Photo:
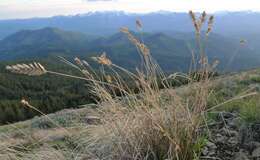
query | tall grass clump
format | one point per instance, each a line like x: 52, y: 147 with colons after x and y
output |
x: 154, y: 124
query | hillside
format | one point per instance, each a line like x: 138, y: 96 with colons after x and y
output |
x: 171, y: 51
x: 228, y: 123
x: 39, y: 43
x: 137, y: 85
x: 50, y: 93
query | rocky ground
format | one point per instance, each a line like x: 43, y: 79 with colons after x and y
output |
x: 229, y: 136
x: 231, y: 140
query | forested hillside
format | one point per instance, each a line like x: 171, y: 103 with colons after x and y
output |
x: 49, y: 93
x: 173, y: 51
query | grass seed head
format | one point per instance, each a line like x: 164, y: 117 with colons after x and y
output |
x: 124, y: 30
x: 78, y: 61
x: 193, y: 17
x: 210, y: 24
x: 108, y: 78
x: 85, y: 63
x: 25, y: 102
x: 139, y: 24
x: 103, y: 60
x: 203, y: 17
x: 196, y: 23
x: 144, y: 49
x: 33, y: 69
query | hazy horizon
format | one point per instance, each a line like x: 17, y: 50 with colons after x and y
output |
x: 125, y: 12
x: 22, y: 9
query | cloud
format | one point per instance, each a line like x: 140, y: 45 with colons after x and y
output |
x: 10, y: 9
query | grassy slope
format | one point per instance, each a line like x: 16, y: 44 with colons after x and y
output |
x: 39, y: 134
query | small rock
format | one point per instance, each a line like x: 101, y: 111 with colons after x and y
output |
x: 240, y: 156
x: 256, y: 144
x: 211, y: 153
x: 229, y: 132
x: 92, y: 120
x: 227, y: 152
x: 256, y: 131
x: 209, y: 149
x: 233, y: 141
x: 57, y: 138
x: 251, y: 146
x: 227, y: 115
x: 256, y: 153
x: 205, y: 151
x: 211, y: 145
x: 233, y: 123
x: 220, y: 138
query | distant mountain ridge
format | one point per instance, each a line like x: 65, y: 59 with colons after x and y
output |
x: 108, y: 23
x: 32, y: 43
x: 45, y: 35
x: 172, y: 51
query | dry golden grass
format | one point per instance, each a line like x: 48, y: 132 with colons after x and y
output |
x: 148, y: 125
x: 33, y: 69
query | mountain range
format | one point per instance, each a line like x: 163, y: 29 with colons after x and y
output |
x: 172, y: 50
x: 107, y: 23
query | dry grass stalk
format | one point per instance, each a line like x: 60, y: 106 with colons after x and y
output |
x: 144, y: 49
x: 194, y: 21
x: 108, y: 78
x: 85, y: 63
x: 210, y: 24
x: 203, y: 17
x: 124, y: 30
x: 103, y: 60
x: 150, y: 129
x: 78, y: 61
x: 139, y: 24
x: 141, y: 46
x: 150, y: 125
x: 198, y: 24
x: 33, y: 69
x: 27, y: 104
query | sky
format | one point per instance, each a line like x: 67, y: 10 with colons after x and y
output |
x: 15, y: 9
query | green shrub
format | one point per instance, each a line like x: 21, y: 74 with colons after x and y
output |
x: 250, y: 110
x: 256, y: 79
